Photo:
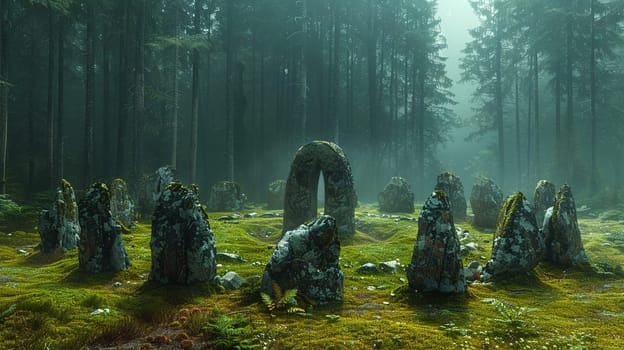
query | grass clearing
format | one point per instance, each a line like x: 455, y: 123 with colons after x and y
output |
x: 579, y: 309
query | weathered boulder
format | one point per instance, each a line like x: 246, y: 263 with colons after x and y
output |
x: 451, y: 185
x: 275, y: 194
x: 182, y: 243
x: 232, y: 280
x: 101, y: 247
x: 151, y: 187
x: 307, y: 259
x: 300, y: 200
x: 518, y: 245
x: 436, y: 264
x: 226, y: 196
x: 122, y: 206
x: 397, y: 196
x: 543, y: 198
x: 486, y: 200
x: 564, y: 246
x: 59, y: 227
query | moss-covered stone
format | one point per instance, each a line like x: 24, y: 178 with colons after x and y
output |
x: 226, y: 196
x: 562, y: 235
x: 451, y: 184
x: 182, y: 243
x: 300, y: 203
x: 543, y: 198
x: 101, y: 247
x: 59, y: 227
x: 122, y: 206
x: 518, y: 244
x: 306, y: 259
x: 275, y: 194
x: 436, y: 264
x: 397, y: 196
x: 150, y: 188
x: 486, y: 199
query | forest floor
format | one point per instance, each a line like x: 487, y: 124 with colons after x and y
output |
x: 550, y: 309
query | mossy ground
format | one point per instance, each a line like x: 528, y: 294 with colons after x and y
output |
x: 574, y: 308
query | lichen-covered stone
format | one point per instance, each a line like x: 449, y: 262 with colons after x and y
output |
x: 122, y: 206
x: 451, y: 184
x: 397, y: 196
x: 564, y: 246
x: 101, y: 247
x: 226, y: 196
x: 59, y: 227
x: 300, y: 200
x: 182, y: 243
x: 275, y: 194
x: 307, y: 259
x: 151, y: 187
x: 543, y: 198
x: 486, y: 199
x: 436, y: 264
x: 518, y: 244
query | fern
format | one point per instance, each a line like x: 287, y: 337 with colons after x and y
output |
x: 8, y: 312
x: 284, y: 300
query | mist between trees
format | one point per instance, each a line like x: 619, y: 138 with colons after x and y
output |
x: 221, y: 89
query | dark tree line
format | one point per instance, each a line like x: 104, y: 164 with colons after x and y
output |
x: 547, y: 74
x: 219, y: 89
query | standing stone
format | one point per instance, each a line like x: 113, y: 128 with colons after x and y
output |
x: 564, y: 246
x: 275, y: 194
x: 307, y: 259
x: 397, y: 196
x: 543, y: 198
x: 226, y: 196
x: 300, y: 200
x: 101, y: 247
x: 518, y: 244
x: 436, y: 264
x: 122, y: 206
x: 151, y: 188
x: 59, y: 226
x: 182, y: 244
x: 451, y: 185
x: 486, y: 199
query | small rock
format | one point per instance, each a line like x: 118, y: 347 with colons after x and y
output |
x: 231, y: 257
x: 389, y: 266
x: 232, y: 280
x: 100, y: 312
x: 606, y: 244
x: 270, y: 215
x: 117, y: 284
x: 370, y: 288
x: 251, y: 215
x: 367, y: 268
x: 22, y: 252
x: 256, y: 263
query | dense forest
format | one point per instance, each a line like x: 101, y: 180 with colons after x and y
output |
x: 92, y: 90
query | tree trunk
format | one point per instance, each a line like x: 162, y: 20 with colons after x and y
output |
x: 229, y: 59
x: 518, y: 150
x: 174, y: 114
x: 500, y: 127
x: 139, y: 92
x: 195, y: 94
x: 371, y: 48
x: 302, y: 105
x: 558, y: 137
x: 122, y: 112
x: 89, y: 95
x: 31, y: 104
x: 106, y: 108
x: 529, y: 121
x: 570, y: 171
x: 4, y: 115
x: 594, y: 117
x: 335, y: 95
x: 51, y: 124
x: 60, y: 105
x: 537, y: 116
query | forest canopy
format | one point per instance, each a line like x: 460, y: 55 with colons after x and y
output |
x: 93, y: 90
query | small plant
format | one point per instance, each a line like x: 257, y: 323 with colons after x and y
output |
x: 512, y: 316
x: 453, y: 330
x: 8, y: 312
x: 229, y: 332
x: 284, y: 300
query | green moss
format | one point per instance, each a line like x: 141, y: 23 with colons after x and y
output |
x: 510, y: 206
x: 574, y: 308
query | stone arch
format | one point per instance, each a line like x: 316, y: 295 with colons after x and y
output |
x: 300, y: 199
